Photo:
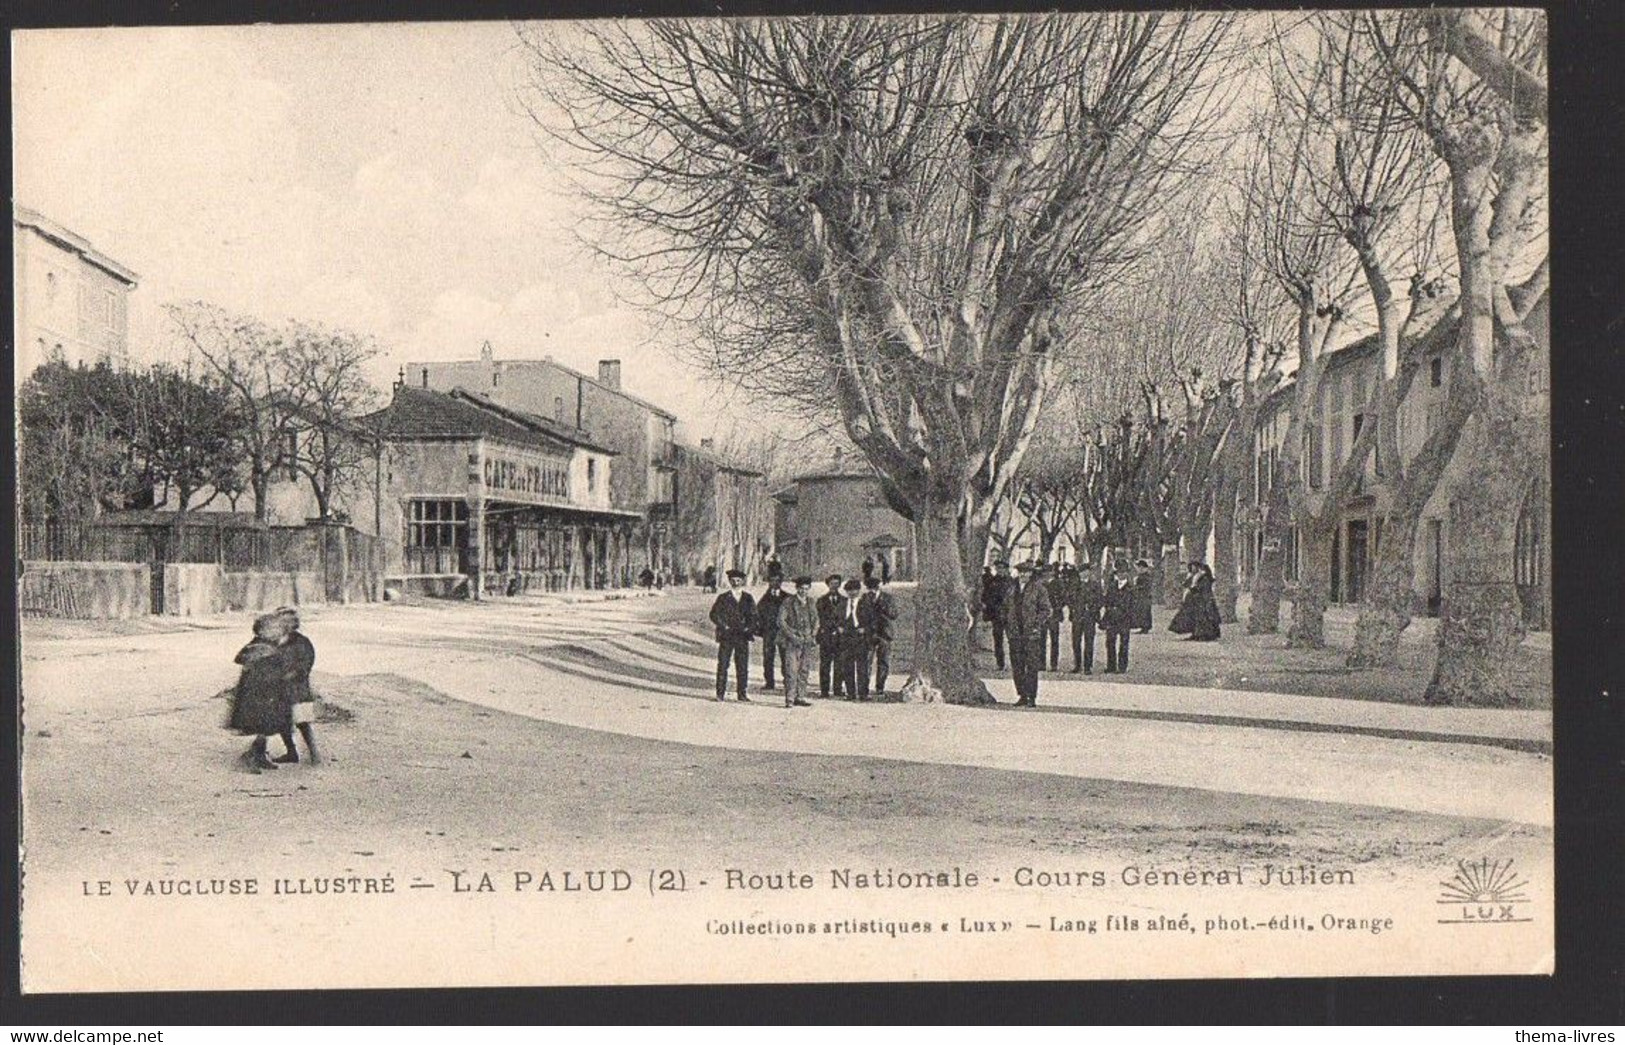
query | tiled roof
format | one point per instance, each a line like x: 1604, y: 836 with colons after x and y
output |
x: 459, y: 414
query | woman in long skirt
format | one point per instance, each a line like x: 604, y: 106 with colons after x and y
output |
x: 1204, y: 607
x: 260, y: 707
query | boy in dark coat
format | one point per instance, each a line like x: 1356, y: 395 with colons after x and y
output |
x: 996, y: 586
x: 854, y: 644
x: 301, y: 654
x: 734, y: 615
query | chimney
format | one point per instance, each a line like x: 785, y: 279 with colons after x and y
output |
x: 609, y: 373
x: 485, y: 352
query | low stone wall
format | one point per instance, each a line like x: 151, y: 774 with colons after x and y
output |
x: 195, y: 590
x: 267, y: 591
x: 86, y: 590
x: 428, y: 585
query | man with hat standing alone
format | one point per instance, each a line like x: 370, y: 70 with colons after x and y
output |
x: 798, y: 636
x: 734, y: 615
x: 1027, y: 611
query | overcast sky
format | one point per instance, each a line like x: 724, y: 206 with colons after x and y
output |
x: 375, y: 177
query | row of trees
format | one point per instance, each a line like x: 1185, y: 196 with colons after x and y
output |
x: 928, y: 229
x: 251, y: 402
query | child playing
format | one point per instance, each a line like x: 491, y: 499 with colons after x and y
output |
x: 260, y: 705
x: 301, y: 657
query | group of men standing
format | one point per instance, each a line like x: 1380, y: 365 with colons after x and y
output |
x: 850, y: 626
x: 1027, y: 612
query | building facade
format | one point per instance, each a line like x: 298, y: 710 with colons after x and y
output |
x: 71, y: 300
x: 724, y: 515
x: 642, y: 435
x: 503, y: 500
x: 1345, y: 405
x: 832, y: 520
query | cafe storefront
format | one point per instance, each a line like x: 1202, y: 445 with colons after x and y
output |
x: 494, y: 502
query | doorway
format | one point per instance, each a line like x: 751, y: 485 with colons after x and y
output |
x: 1359, y: 558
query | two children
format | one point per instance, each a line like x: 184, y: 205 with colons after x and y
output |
x: 273, y: 692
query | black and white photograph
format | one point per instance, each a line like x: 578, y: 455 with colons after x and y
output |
x: 807, y: 499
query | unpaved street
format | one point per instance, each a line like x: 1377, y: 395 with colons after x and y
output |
x: 499, y: 737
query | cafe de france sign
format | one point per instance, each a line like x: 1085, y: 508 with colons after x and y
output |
x: 526, y: 477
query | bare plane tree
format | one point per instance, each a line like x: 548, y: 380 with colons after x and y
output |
x: 890, y: 216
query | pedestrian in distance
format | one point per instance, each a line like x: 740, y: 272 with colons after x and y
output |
x: 798, y: 638
x: 1181, y: 624
x: 259, y: 704
x: 734, y: 615
x: 995, y: 587
x: 1144, y: 586
x: 708, y: 579
x: 767, y: 626
x: 1117, y: 619
x: 646, y: 578
x: 1027, y: 612
x: 301, y: 658
x: 880, y: 612
x: 830, y: 611
x: 1058, y: 582
x: 1083, y: 610
x: 854, y: 645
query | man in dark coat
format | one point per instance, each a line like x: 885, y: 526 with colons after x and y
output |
x: 1144, y: 589
x: 996, y: 584
x: 1117, y: 620
x: 829, y: 635
x: 853, y: 637
x: 767, y: 626
x: 878, y: 610
x: 1059, y: 582
x: 734, y: 614
x: 1027, y: 613
x: 1084, y: 596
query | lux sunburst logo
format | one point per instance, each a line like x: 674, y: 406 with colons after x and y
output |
x: 1486, y: 892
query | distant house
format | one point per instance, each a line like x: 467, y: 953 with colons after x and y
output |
x: 71, y: 300
x: 724, y: 515
x: 1345, y: 406
x: 831, y: 519
x: 641, y: 434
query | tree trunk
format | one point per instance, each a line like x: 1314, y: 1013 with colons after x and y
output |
x: 1386, y: 611
x: 1308, y: 628
x: 1264, y: 615
x: 1481, y: 624
x: 1225, y: 568
x: 943, y: 614
x: 1170, y: 578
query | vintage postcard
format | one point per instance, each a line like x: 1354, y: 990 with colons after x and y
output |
x: 784, y: 500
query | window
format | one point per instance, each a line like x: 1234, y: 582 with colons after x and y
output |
x: 495, y: 374
x: 592, y: 474
x: 437, y: 524
x: 425, y: 377
x: 1314, y: 452
x: 558, y: 409
x: 110, y: 307
x: 50, y: 288
x: 1436, y: 372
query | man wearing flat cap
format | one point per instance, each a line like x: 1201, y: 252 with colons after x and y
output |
x: 798, y: 638
x: 1027, y: 613
x: 734, y: 615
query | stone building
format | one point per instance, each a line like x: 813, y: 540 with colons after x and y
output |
x: 832, y: 519
x: 71, y: 300
x: 641, y: 434
x: 1347, y: 388
x: 724, y: 515
x: 473, y: 492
